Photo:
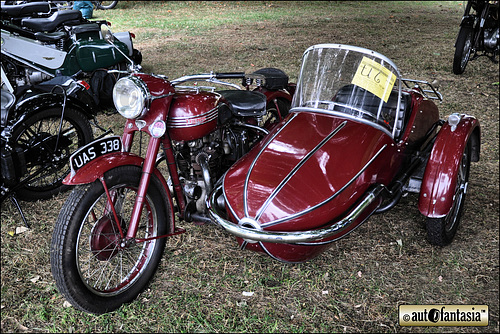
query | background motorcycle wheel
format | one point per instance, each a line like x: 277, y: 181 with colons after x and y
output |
x: 38, y: 136
x: 272, y: 117
x: 463, y: 49
x: 106, y: 4
x: 440, y: 231
x: 85, y: 241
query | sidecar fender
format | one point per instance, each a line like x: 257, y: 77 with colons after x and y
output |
x: 440, y: 177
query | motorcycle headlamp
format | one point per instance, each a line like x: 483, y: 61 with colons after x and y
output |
x: 107, y: 35
x: 131, y: 97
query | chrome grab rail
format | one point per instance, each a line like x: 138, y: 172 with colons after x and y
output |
x: 254, y: 235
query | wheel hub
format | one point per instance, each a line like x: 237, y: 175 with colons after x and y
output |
x: 105, y: 239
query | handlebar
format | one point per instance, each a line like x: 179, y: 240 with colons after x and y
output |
x: 211, y: 77
x: 230, y: 75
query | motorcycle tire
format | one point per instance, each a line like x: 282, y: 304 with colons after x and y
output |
x: 463, y: 49
x: 441, y: 231
x: 104, y: 5
x: 37, y: 136
x: 86, y: 240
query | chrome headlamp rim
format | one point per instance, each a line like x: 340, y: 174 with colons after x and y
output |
x: 144, y: 92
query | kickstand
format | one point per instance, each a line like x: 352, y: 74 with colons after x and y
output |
x: 13, y: 199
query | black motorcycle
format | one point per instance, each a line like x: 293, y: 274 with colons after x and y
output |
x: 478, y: 34
x: 39, y: 130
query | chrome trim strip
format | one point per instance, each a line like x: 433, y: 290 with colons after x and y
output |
x: 245, y: 188
x: 294, y: 236
x: 295, y: 169
x: 298, y: 214
x: 189, y: 121
x: 342, y: 115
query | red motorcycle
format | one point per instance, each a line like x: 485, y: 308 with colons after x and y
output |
x: 110, y: 234
x: 355, y: 141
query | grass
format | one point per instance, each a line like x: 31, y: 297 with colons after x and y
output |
x: 355, y: 286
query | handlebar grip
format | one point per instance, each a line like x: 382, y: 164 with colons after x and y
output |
x: 230, y: 75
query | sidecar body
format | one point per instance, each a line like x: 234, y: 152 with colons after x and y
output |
x: 357, y: 138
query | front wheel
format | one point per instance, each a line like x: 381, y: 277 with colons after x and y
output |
x: 440, y: 231
x: 463, y: 49
x: 94, y: 268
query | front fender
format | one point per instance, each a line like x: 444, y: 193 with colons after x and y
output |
x: 440, y: 177
x: 96, y: 168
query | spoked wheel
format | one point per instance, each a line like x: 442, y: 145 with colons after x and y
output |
x: 96, y: 269
x: 273, y: 115
x: 463, y: 49
x: 106, y: 4
x: 47, y: 150
x: 440, y: 231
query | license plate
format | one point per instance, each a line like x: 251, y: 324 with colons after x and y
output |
x: 94, y: 150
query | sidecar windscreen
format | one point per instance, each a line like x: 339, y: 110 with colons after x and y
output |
x: 351, y: 82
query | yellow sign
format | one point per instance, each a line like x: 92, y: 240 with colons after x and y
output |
x: 443, y: 315
x: 375, y: 78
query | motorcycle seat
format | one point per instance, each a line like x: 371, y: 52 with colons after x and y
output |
x: 274, y: 78
x: 26, y: 9
x: 49, y: 37
x: 245, y: 102
x: 49, y: 24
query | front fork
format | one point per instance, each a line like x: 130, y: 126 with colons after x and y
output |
x: 147, y: 170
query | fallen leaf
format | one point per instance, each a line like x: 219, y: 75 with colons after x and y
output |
x: 35, y: 279
x: 21, y: 229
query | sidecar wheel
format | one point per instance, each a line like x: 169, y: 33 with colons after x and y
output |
x: 463, y: 49
x: 441, y: 231
x: 94, y: 269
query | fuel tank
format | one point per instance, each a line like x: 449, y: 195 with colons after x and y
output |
x: 192, y: 115
x: 307, y: 174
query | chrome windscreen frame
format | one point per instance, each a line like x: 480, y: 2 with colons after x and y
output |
x: 392, y: 133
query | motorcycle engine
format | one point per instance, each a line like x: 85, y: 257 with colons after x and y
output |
x: 22, y: 76
x: 491, y: 38
x: 203, y: 161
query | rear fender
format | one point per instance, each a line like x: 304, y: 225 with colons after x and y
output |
x: 440, y: 177
x: 32, y: 105
x: 276, y: 94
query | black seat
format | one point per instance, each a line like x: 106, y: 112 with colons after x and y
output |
x: 245, y: 102
x: 49, y: 24
x: 360, y: 98
x: 274, y: 78
x: 50, y: 37
x: 26, y: 9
